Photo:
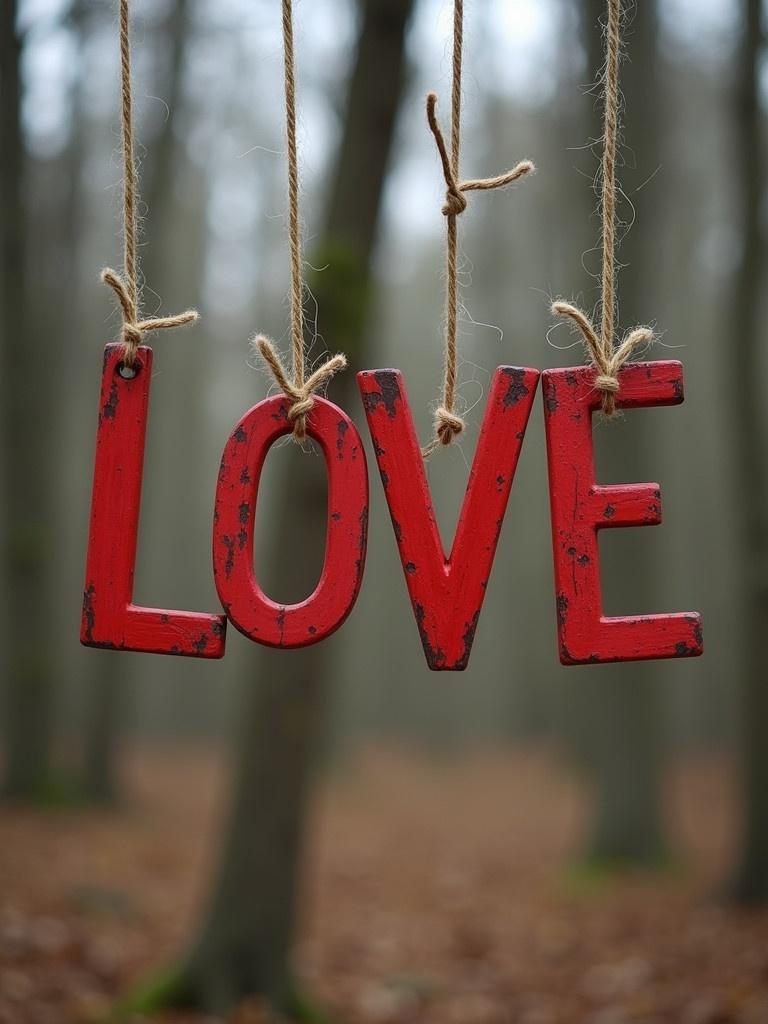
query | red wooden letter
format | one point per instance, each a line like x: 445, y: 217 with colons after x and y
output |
x: 248, y: 607
x: 581, y: 507
x: 447, y: 592
x: 110, y: 619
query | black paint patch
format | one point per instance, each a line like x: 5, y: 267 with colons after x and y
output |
x: 89, y: 613
x: 698, y: 632
x: 516, y: 389
x: 551, y: 403
x: 387, y: 396
x: 682, y: 650
x: 341, y: 430
x: 435, y: 656
x: 110, y: 406
x: 468, y: 638
x: 229, y: 565
x: 362, y: 543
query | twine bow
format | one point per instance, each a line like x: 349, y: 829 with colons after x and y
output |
x: 135, y: 327
x: 607, y: 359
x: 302, y: 395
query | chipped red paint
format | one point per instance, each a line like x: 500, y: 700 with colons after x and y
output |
x: 110, y: 619
x: 580, y: 507
x: 447, y: 591
x: 247, y: 606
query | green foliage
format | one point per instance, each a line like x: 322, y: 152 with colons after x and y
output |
x: 50, y: 791
x: 342, y: 288
x: 162, y: 992
x: 593, y: 876
x: 174, y: 990
x: 300, y: 1007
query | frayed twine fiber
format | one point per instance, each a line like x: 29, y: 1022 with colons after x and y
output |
x: 126, y: 286
x: 448, y: 424
x: 301, y: 389
x: 608, y: 357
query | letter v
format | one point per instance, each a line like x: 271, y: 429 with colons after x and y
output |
x: 447, y: 592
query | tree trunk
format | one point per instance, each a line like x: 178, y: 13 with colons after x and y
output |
x: 619, y: 706
x: 747, y: 392
x: 245, y: 941
x: 100, y: 780
x: 111, y: 674
x: 27, y: 672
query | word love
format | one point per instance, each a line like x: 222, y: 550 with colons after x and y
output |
x: 446, y: 590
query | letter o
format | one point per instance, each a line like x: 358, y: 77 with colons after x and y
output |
x: 246, y: 604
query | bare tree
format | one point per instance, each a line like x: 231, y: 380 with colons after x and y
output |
x: 246, y: 937
x: 618, y: 715
x: 747, y: 393
x: 26, y: 458
x: 111, y: 675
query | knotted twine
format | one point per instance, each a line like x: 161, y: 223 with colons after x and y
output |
x: 302, y: 388
x: 608, y: 357
x: 447, y: 423
x: 126, y: 287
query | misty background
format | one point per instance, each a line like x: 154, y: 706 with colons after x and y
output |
x: 209, y: 119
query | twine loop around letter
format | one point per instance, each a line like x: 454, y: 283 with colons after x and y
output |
x: 448, y: 424
x: 126, y: 288
x: 134, y: 327
x: 299, y: 390
x: 300, y: 394
x: 608, y: 357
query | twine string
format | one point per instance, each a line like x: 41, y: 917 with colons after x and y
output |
x: 448, y: 424
x: 126, y: 286
x: 301, y: 388
x: 607, y: 356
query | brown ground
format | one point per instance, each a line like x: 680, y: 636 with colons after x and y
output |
x: 438, y: 894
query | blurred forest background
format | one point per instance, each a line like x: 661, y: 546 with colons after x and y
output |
x: 338, y: 827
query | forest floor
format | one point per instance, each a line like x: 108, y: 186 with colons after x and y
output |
x: 437, y: 892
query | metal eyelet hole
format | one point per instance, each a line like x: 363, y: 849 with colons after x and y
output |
x: 128, y: 372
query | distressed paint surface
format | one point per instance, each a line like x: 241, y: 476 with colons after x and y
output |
x: 447, y: 591
x: 247, y: 606
x: 580, y: 507
x: 110, y: 619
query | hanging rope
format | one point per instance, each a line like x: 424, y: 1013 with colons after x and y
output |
x: 447, y: 423
x: 126, y: 287
x: 608, y: 357
x: 301, y: 389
